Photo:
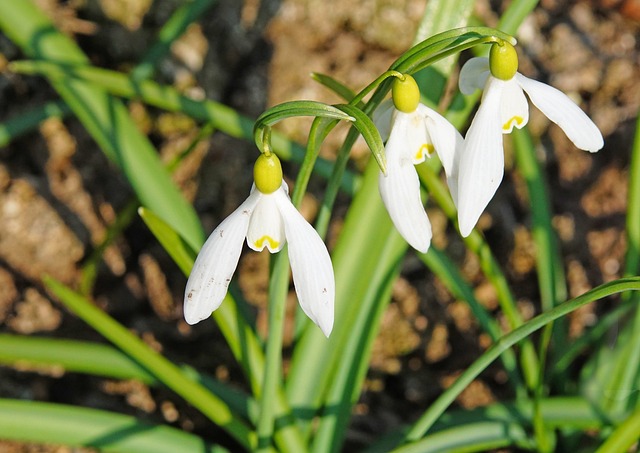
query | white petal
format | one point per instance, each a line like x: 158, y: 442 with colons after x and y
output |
x: 560, y: 109
x: 383, y: 118
x: 216, y: 263
x: 514, y: 109
x: 447, y: 142
x: 400, y: 191
x: 266, y: 228
x: 310, y: 265
x: 474, y: 75
x: 482, y: 159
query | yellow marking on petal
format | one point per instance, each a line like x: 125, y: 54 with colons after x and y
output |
x: 260, y: 243
x: 426, y: 149
x: 518, y: 120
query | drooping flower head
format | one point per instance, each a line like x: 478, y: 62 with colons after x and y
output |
x: 267, y: 218
x: 414, y: 133
x: 503, y: 107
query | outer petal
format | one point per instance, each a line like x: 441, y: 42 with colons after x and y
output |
x: 514, y: 109
x: 383, y: 118
x: 474, y: 75
x: 447, y: 142
x: 310, y: 265
x: 482, y: 159
x: 560, y: 109
x: 216, y: 263
x: 266, y: 228
x: 400, y: 190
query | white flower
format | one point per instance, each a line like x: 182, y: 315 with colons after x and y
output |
x: 266, y: 220
x: 504, y: 106
x: 414, y: 132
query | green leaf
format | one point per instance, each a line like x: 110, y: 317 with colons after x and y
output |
x: 171, y: 241
x: 340, y: 89
x: 31, y: 421
x: 439, y: 406
x: 35, y: 353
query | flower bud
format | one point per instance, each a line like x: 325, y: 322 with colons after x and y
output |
x: 267, y: 173
x: 503, y: 61
x: 406, y: 94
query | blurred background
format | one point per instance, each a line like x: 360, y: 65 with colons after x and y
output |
x: 60, y: 197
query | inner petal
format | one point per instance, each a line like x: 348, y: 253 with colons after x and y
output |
x: 265, y: 227
x: 516, y: 121
x: 514, y: 108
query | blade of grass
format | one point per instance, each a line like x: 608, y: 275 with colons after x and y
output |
x: 558, y: 412
x: 82, y: 427
x: 439, y: 406
x: 28, y: 353
x: 104, y: 117
x: 193, y: 392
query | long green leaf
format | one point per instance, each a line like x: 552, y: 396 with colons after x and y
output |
x: 439, y: 406
x: 35, y: 353
x: 48, y: 423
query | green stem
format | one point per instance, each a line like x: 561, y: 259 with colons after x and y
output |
x: 47, y: 423
x: 272, y: 379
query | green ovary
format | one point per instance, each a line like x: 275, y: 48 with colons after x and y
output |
x: 267, y: 173
x: 503, y: 61
x: 405, y: 94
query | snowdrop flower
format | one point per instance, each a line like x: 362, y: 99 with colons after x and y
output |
x: 414, y: 132
x: 503, y: 107
x: 267, y: 218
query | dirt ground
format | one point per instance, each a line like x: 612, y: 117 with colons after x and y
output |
x: 59, y: 194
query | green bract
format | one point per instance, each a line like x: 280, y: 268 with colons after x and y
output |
x: 503, y: 61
